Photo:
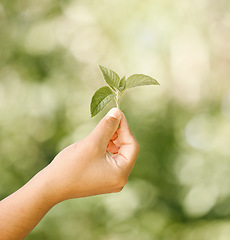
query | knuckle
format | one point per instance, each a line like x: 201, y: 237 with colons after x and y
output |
x: 121, y: 181
x: 118, y: 189
x: 137, y: 146
x: 124, y: 182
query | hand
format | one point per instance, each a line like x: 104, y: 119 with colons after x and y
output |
x: 87, y: 167
x: 82, y: 169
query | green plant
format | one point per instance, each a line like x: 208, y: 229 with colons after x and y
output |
x: 117, y: 87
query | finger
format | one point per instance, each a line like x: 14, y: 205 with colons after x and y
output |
x: 129, y: 146
x: 106, y: 127
x: 112, y: 148
x: 115, y: 135
x: 127, y: 155
x: 125, y: 135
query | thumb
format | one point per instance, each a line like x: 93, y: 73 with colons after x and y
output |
x: 107, y: 127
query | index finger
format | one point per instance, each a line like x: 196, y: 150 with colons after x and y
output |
x: 129, y: 146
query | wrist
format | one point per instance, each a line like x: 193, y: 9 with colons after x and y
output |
x: 43, y: 183
x: 55, y: 186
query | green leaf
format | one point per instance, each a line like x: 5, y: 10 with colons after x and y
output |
x: 110, y: 77
x: 100, y: 99
x: 140, y: 80
x: 122, y: 84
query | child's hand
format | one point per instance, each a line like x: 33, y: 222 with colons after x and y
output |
x: 86, y: 168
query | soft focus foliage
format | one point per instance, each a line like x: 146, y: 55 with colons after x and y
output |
x: 49, y: 56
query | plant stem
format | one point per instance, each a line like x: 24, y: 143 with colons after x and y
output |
x: 117, y: 98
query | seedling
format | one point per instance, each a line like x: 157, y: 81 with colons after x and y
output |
x: 117, y: 87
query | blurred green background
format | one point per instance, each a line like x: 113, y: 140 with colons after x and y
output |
x: 49, y: 56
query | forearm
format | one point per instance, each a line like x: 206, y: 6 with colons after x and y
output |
x: 21, y: 211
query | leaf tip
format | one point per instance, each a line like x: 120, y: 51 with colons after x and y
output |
x: 101, y: 67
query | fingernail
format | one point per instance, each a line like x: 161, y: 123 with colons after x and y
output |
x: 115, y: 113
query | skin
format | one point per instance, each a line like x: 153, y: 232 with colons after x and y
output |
x: 82, y: 169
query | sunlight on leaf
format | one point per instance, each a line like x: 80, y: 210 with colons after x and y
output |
x: 100, y: 99
x: 140, y: 80
x: 110, y: 77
